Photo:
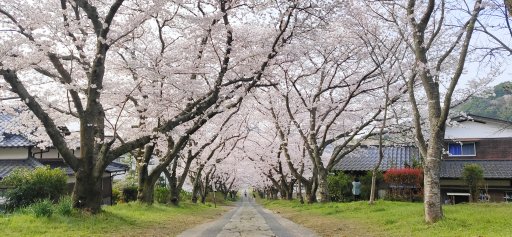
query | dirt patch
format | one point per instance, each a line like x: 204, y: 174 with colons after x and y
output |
x: 328, y: 226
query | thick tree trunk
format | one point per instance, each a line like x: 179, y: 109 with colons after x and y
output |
x: 87, y: 192
x: 310, y: 194
x: 323, y: 187
x: 289, y: 194
x: 146, y: 193
x: 195, y: 192
x: 432, y: 187
x: 174, y: 190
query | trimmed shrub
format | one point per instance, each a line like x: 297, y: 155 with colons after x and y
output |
x: 129, y: 194
x: 405, y: 183
x: 42, y: 208
x: 162, y: 194
x: 473, y: 175
x: 29, y: 186
x: 65, y: 206
x: 340, y: 187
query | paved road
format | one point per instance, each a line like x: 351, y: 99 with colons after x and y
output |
x: 249, y: 219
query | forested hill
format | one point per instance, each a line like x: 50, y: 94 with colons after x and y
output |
x: 497, y: 106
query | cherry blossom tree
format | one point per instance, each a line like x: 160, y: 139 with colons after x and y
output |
x: 79, y: 52
x: 438, y: 42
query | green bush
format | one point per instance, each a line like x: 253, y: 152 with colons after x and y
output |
x: 129, y: 194
x: 339, y: 186
x: 162, y: 194
x: 42, y: 208
x: 65, y: 206
x: 29, y: 186
x: 473, y: 175
x: 366, y: 184
x: 116, y: 195
x: 184, y: 195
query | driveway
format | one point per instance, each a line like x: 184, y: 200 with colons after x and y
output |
x: 249, y: 219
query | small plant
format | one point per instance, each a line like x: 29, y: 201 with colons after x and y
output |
x: 65, y: 206
x: 129, y: 194
x: 473, y: 175
x: 184, y: 195
x: 42, y: 208
x: 116, y: 195
x: 162, y: 194
x: 339, y: 186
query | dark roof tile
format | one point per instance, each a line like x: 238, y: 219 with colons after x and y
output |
x: 365, y: 158
x: 497, y: 169
x: 7, y: 166
x: 8, y: 139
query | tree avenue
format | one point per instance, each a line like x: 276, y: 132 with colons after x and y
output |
x: 227, y: 94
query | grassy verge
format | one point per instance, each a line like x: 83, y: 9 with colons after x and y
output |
x: 397, y: 218
x: 130, y: 219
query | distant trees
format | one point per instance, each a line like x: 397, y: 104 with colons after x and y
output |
x: 497, y: 105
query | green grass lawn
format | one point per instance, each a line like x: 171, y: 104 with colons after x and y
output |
x: 387, y: 218
x: 130, y: 219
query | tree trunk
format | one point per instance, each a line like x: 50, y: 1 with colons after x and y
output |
x: 173, y: 187
x: 299, y: 193
x: 373, y: 188
x: 432, y: 187
x: 289, y: 194
x: 87, y: 192
x: 323, y: 187
x: 195, y: 191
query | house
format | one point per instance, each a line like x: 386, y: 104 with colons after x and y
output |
x: 469, y: 139
x: 478, y: 140
x: 16, y: 151
x: 365, y: 158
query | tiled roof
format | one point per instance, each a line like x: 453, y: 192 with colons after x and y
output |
x: 111, y: 168
x: 492, y: 168
x: 11, y: 140
x: 365, y: 158
x: 7, y: 166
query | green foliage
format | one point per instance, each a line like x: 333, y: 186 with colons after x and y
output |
x: 65, y: 206
x: 116, y: 195
x: 497, y: 106
x: 42, y: 208
x: 339, y: 186
x: 473, y: 175
x: 404, y: 183
x: 366, y: 183
x: 184, y: 195
x: 29, y: 186
x: 162, y: 194
x: 129, y: 194
x: 125, y: 190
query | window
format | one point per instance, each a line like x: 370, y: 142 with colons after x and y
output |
x: 462, y: 149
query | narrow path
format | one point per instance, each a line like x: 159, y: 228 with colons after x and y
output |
x: 249, y: 219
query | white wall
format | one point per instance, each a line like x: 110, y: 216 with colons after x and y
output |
x: 13, y: 153
x: 51, y: 154
x: 471, y: 129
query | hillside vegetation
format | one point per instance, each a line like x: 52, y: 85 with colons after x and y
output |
x: 497, y: 106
